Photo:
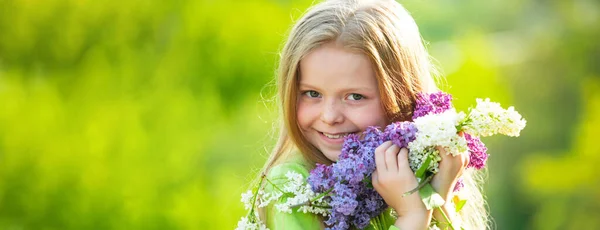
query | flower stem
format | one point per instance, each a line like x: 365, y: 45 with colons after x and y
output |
x: 323, y: 194
x: 423, y: 183
x: 309, y: 202
x: 446, y: 217
x: 251, y: 212
x: 377, y: 222
x: 275, y: 186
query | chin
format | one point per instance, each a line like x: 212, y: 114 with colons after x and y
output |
x: 332, y: 156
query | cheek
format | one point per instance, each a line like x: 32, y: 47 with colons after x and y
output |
x: 304, y: 115
x: 371, y: 116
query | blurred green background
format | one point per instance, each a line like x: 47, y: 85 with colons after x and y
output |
x: 154, y: 115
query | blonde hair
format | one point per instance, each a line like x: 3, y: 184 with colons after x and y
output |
x: 386, y: 33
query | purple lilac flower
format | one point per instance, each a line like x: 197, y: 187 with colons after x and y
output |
x: 432, y: 103
x: 459, y: 185
x: 372, y: 137
x: 477, y: 152
x: 370, y: 204
x: 401, y: 133
x: 349, y: 169
x: 361, y: 218
x: 320, y: 178
x: 337, y: 221
x: 344, y: 200
x: 352, y: 200
x: 351, y: 144
x: 367, y: 157
x: 373, y: 202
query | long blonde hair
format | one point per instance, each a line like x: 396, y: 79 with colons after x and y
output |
x: 386, y: 33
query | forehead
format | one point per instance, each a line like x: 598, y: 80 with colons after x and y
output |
x: 332, y: 65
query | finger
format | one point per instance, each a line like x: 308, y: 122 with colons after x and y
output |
x: 461, y: 159
x: 443, y: 152
x: 380, y: 155
x: 391, y: 160
x: 375, y: 180
x: 466, y: 159
x: 403, y: 159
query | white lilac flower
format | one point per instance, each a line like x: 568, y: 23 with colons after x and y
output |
x: 299, y: 192
x: 284, y: 207
x: 267, y: 198
x: 247, y: 199
x: 416, y: 159
x: 439, y: 130
x: 294, y: 181
x: 246, y: 224
x: 316, y: 210
x: 302, y: 194
x: 489, y: 118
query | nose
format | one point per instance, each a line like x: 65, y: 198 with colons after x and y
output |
x: 332, y: 112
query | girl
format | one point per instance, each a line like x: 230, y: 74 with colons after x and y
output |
x: 348, y: 65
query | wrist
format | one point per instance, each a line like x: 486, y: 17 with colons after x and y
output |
x: 411, y: 205
x: 414, y: 220
x: 444, y: 189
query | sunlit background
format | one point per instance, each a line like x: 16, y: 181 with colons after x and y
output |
x: 141, y: 114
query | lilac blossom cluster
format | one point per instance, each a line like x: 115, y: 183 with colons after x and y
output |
x: 432, y: 103
x: 477, y: 152
x: 438, y: 103
x: 351, y: 196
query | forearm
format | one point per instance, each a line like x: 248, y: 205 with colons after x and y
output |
x: 415, y: 221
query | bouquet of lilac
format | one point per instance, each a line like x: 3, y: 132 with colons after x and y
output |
x: 342, y: 191
x: 352, y: 198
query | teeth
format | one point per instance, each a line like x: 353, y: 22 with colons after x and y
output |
x: 336, y: 136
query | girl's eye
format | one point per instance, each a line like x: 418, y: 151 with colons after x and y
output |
x: 312, y: 94
x: 355, y: 97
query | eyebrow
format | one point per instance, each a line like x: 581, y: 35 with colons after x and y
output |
x: 304, y: 85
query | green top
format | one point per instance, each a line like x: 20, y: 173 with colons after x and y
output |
x: 298, y: 220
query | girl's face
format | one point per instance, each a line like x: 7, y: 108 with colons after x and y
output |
x: 338, y: 96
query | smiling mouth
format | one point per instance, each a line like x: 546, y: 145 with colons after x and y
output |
x: 335, y: 136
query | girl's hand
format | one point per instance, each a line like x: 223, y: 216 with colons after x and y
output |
x: 450, y: 169
x: 391, y: 179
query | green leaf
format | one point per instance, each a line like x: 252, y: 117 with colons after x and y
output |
x: 368, y: 182
x: 460, y: 204
x: 430, y: 197
x: 421, y: 171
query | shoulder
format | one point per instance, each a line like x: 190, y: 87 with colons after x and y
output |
x: 280, y: 170
x: 294, y: 165
x: 280, y: 175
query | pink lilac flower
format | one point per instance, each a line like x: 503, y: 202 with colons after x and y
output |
x: 433, y: 103
x: 459, y: 185
x: 477, y: 152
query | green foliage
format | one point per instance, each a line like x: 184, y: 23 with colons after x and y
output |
x: 155, y: 115
x: 430, y: 198
x: 566, y: 186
